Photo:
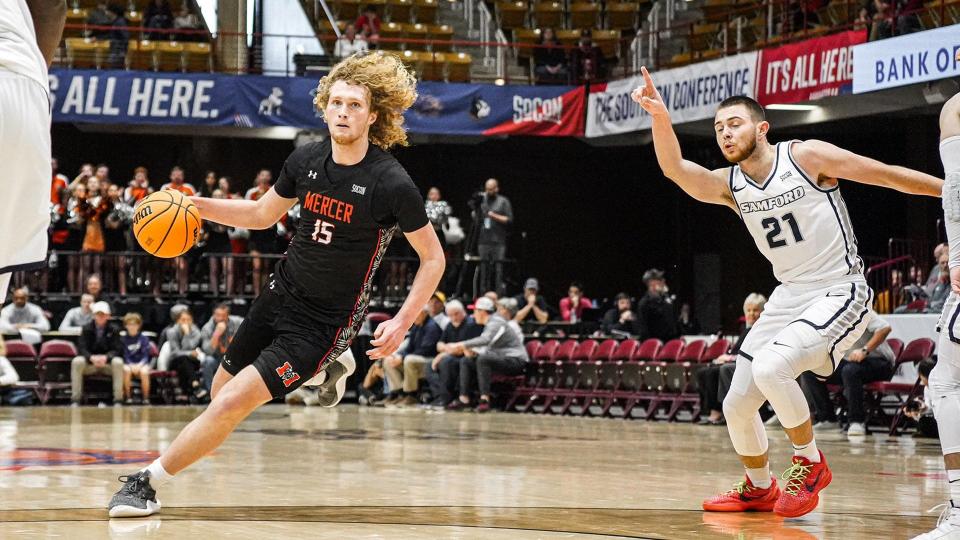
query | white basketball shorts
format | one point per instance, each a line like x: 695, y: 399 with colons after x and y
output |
x: 25, y: 157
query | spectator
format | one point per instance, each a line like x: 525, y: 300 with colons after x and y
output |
x: 496, y: 215
x: 882, y: 27
x: 102, y: 174
x: 136, y: 358
x: 445, y: 369
x: 78, y: 317
x: 436, y: 307
x: 101, y: 353
x: 94, y: 287
x: 573, y: 305
x: 185, y: 339
x: 687, y: 324
x: 158, y: 16
x: 349, y: 43
x: 658, y: 318
x: 531, y: 302
x: 438, y: 212
x: 941, y: 291
x: 99, y: 16
x: 893, y: 297
x: 920, y: 409
x: 22, y: 314
x: 368, y: 23
x: 262, y: 241
x: 403, y: 370
x: 499, y: 349
x: 869, y: 359
x: 138, y: 188
x: 621, y: 318
x: 210, y: 183
x: 119, y: 38
x: 908, y: 16
x: 549, y: 59
x: 586, y: 60
x: 59, y: 229
x: 8, y: 375
x: 934, y: 277
x: 177, y: 183
x: 217, y: 241
x: 708, y: 378
x: 215, y: 337
x: 76, y: 230
x: 187, y: 20
x: 116, y: 238
x: 94, y: 207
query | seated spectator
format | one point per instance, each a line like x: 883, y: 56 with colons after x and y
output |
x: 531, y: 303
x: 436, y: 307
x: 215, y: 337
x: 920, y: 409
x: 941, y: 291
x: 187, y: 20
x: 158, y: 15
x: 869, y: 359
x: 8, y: 375
x: 101, y: 16
x: 444, y: 371
x: 94, y: 287
x: 499, y: 349
x: 163, y: 360
x: 22, y: 314
x: 101, y: 353
x: 136, y: 358
x: 368, y: 23
x: 403, y: 370
x: 620, y: 318
x: 349, y: 43
x: 571, y: 307
x: 586, y: 60
x: 184, y: 339
x: 656, y: 310
x: 892, y: 297
x: 78, y: 317
x: 549, y: 59
x: 934, y: 276
x: 708, y: 378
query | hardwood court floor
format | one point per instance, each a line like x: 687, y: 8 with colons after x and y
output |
x: 372, y: 473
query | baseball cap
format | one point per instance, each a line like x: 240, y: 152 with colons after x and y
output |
x: 652, y: 273
x: 100, y: 307
x: 484, y: 304
x: 532, y: 283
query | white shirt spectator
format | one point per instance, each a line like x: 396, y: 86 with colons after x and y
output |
x: 30, y: 315
x: 75, y: 320
x: 8, y: 375
x: 345, y: 47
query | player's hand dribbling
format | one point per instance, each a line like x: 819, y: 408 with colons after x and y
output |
x: 647, y: 95
x: 387, y: 339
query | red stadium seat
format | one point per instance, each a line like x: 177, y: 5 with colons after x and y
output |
x: 654, y: 375
x: 23, y: 358
x: 680, y: 382
x: 566, y: 350
x: 648, y: 350
x: 716, y: 349
x: 532, y: 347
x: 579, y: 377
x: 547, y: 351
x: 897, y: 393
x: 897, y: 346
x: 55, y: 358
x: 625, y: 351
x: 605, y: 350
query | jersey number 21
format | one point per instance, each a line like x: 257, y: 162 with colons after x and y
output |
x: 774, y: 230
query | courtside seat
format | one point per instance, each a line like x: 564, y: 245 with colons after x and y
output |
x: 716, y: 349
x: 884, y: 399
x: 605, y: 350
x: 23, y: 358
x: 56, y: 357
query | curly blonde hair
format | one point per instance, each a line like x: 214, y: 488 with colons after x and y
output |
x: 391, y: 89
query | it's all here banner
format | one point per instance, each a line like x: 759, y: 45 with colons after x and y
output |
x: 807, y: 70
x: 250, y: 101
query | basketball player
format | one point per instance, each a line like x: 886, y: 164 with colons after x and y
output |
x: 944, y: 381
x: 787, y: 196
x: 354, y: 196
x: 29, y: 33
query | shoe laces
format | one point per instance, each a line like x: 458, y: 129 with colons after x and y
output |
x: 794, y: 476
x: 132, y: 483
x: 741, y: 487
x: 946, y: 510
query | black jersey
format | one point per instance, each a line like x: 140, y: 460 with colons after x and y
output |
x: 348, y: 216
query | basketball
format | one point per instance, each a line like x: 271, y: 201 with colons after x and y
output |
x: 166, y: 224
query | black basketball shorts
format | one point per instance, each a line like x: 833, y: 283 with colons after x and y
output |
x: 285, y: 345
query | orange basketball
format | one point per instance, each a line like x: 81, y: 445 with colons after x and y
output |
x: 166, y: 224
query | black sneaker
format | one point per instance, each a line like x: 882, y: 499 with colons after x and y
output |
x: 136, y: 498
x: 335, y: 384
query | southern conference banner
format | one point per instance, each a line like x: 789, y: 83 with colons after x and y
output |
x: 690, y: 92
x: 807, y: 70
x: 909, y: 59
x: 136, y: 97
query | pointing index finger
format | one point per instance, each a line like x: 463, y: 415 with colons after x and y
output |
x: 647, y: 79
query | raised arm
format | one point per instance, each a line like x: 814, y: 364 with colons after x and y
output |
x: 389, y: 335
x: 697, y: 181
x: 826, y: 162
x: 246, y: 214
x: 48, y: 19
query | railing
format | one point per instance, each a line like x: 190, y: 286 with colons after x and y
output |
x: 893, y: 281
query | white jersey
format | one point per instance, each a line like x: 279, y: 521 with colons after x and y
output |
x: 19, y: 52
x: 801, y: 228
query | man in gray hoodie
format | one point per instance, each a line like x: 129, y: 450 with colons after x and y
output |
x: 215, y: 337
x: 499, y: 349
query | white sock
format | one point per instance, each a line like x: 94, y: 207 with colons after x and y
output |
x: 158, y: 475
x: 760, y: 477
x: 808, y: 451
x: 953, y: 476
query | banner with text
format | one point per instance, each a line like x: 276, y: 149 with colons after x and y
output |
x: 908, y: 59
x: 690, y: 93
x: 810, y: 69
x: 133, y: 97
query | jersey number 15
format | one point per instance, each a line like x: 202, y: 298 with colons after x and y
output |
x: 774, y: 231
x: 323, y: 231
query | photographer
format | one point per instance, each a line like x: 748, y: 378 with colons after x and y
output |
x: 493, y: 214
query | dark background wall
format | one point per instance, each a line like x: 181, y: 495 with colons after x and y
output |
x: 597, y: 215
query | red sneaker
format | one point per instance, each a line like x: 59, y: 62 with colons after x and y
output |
x: 804, y: 482
x: 744, y: 497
